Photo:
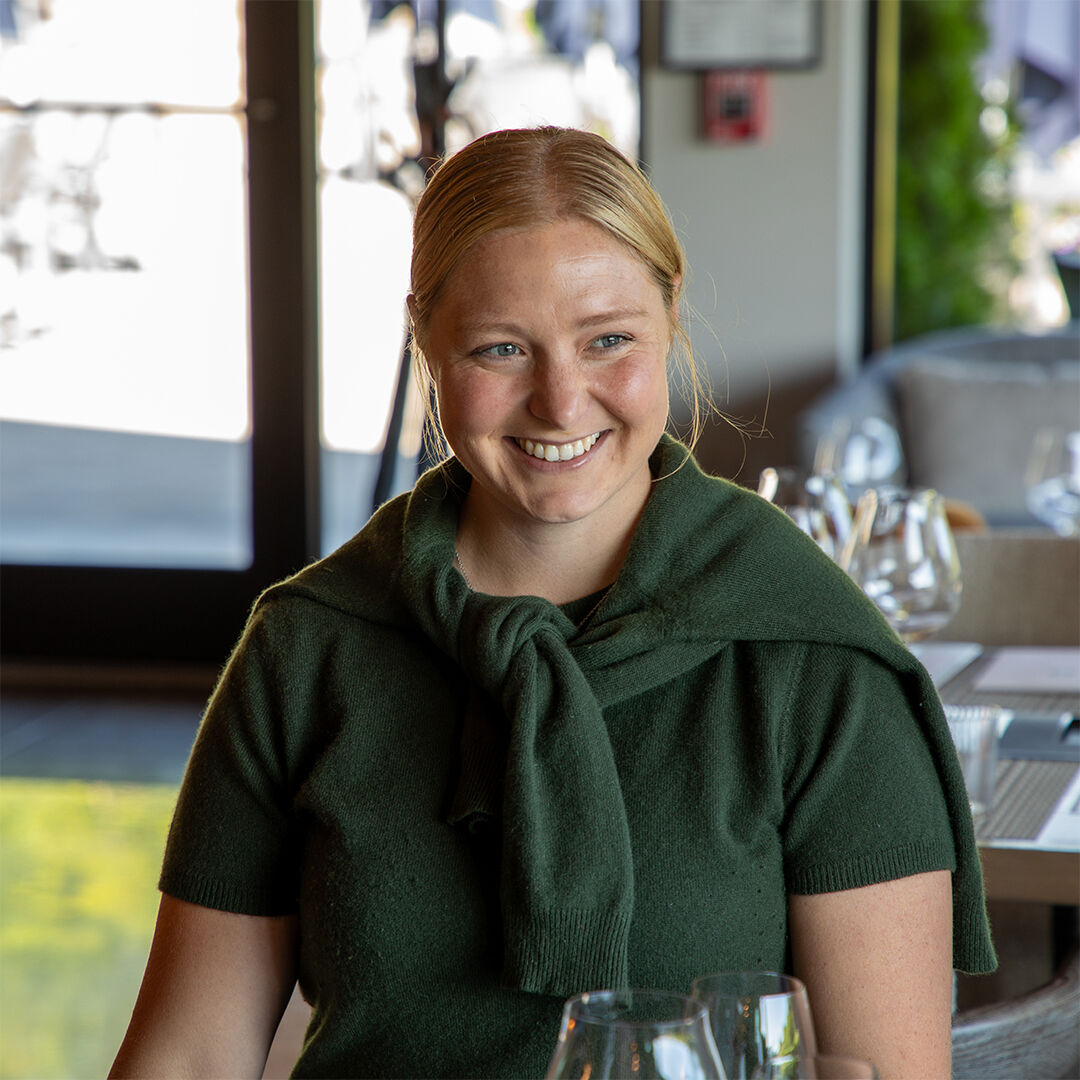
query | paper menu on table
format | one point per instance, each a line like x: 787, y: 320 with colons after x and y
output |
x: 1031, y: 670
x: 945, y: 660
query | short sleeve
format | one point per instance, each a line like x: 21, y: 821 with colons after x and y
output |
x: 873, y: 790
x: 863, y: 794
x: 233, y: 844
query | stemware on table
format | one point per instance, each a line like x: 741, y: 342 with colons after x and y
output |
x: 816, y: 502
x: 1052, y: 480
x: 644, y: 1034
x: 864, y: 453
x: 755, y: 1016
x: 902, y: 553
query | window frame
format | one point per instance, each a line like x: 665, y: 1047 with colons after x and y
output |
x: 79, y: 614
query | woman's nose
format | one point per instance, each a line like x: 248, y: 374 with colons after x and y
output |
x: 559, y: 392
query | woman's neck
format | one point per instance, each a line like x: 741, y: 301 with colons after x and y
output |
x: 560, y: 562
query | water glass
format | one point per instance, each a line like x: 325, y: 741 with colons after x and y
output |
x: 644, y: 1034
x: 755, y: 1015
x: 974, y: 729
x: 816, y: 502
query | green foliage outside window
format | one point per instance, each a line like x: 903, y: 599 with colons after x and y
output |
x: 78, y: 897
x: 953, y: 216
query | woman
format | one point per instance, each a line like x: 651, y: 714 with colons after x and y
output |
x: 569, y: 714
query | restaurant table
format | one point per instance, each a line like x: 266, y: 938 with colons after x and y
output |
x: 1019, y: 863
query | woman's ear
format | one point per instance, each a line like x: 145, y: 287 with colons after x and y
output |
x: 676, y: 285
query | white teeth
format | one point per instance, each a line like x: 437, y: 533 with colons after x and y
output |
x: 559, y: 451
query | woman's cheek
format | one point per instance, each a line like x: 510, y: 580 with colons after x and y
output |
x: 640, y: 386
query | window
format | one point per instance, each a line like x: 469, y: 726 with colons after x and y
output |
x: 207, y: 244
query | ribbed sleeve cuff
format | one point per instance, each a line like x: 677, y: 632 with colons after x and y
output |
x: 872, y: 868
x: 567, y: 952
x: 223, y: 896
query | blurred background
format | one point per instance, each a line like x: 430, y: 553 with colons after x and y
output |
x: 205, y: 214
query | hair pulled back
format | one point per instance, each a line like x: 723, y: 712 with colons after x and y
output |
x: 529, y: 177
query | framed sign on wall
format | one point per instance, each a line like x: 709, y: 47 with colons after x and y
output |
x: 705, y: 35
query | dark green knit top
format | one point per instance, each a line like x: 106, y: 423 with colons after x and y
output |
x: 479, y: 807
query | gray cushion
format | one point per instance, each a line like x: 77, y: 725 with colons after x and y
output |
x: 968, y: 425
x: 1021, y: 587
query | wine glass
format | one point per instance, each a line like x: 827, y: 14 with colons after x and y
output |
x: 817, y: 1067
x: 863, y: 453
x: 646, y: 1034
x: 902, y: 553
x: 755, y: 1015
x: 816, y: 502
x: 1052, y: 480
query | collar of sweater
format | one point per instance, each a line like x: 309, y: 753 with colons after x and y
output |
x: 709, y: 560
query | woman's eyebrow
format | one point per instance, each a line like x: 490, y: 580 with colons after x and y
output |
x: 506, y: 326
x: 612, y: 315
x: 485, y: 326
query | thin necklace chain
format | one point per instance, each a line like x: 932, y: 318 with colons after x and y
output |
x: 588, y: 615
x: 592, y: 611
x: 461, y: 567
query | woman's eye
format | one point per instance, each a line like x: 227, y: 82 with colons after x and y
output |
x: 610, y: 341
x: 504, y: 348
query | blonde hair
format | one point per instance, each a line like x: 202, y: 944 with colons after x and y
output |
x: 528, y: 177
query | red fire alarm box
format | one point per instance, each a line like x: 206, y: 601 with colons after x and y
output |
x: 733, y: 105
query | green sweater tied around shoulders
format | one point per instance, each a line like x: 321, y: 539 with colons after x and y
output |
x: 539, y: 687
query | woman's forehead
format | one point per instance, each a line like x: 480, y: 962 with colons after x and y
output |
x: 565, y: 240
x: 573, y: 255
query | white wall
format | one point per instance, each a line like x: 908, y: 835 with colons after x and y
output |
x: 772, y: 229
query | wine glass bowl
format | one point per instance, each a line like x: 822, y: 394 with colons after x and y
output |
x: 817, y: 1067
x: 644, y: 1034
x: 755, y: 1016
x: 816, y: 502
x: 863, y: 453
x: 902, y: 553
x: 1052, y: 480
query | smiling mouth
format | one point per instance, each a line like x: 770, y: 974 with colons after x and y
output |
x: 559, y: 451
